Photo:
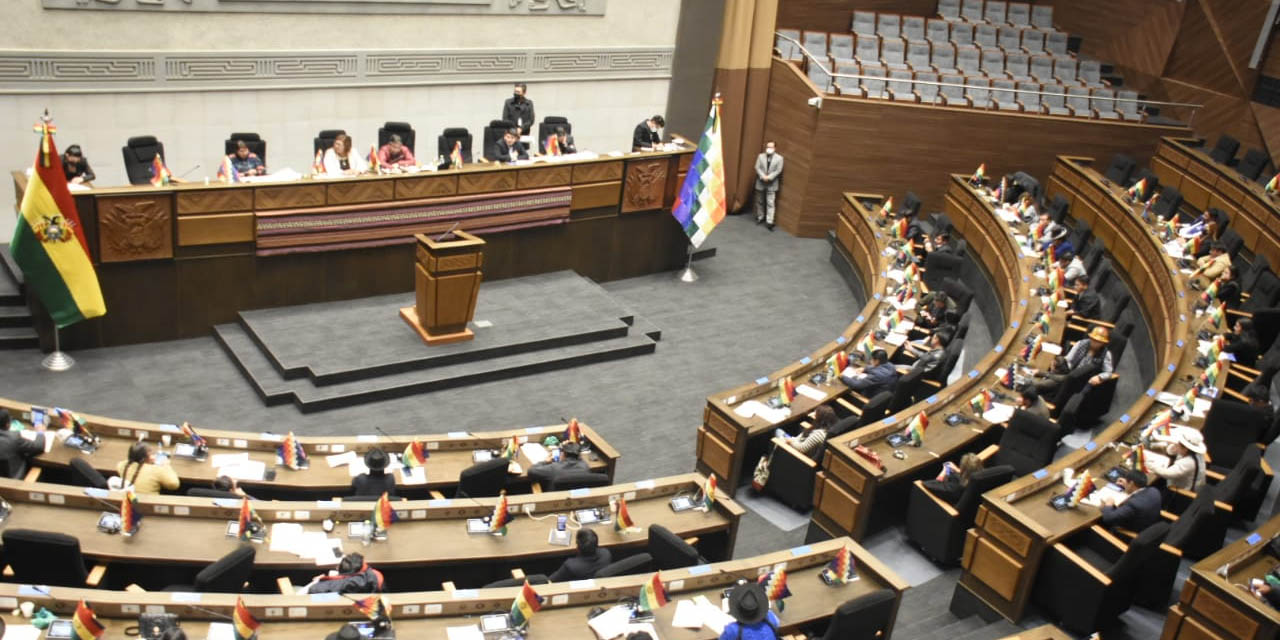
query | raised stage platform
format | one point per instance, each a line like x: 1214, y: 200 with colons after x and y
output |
x: 335, y: 354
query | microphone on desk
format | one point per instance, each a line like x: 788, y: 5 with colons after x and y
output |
x: 390, y: 439
x: 97, y: 498
x: 188, y: 171
x: 442, y: 236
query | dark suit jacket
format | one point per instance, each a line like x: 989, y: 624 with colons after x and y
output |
x: 81, y: 170
x: 16, y: 451
x: 643, y: 137
x: 1140, y: 511
x: 930, y: 361
x: 519, y: 113
x: 547, y: 472
x: 1088, y: 305
x: 581, y: 567
x: 500, y: 152
x: 1244, y: 347
x: 948, y: 489
x: 873, y: 380
x: 373, y: 485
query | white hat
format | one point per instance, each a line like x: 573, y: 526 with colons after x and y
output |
x: 1189, y: 438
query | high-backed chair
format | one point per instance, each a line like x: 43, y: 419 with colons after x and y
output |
x: 949, y: 10
x: 451, y: 136
x: 960, y: 292
x: 783, y: 42
x: 226, y: 575
x: 867, y: 617
x: 1009, y: 38
x: 928, y: 92
x: 139, y: 152
x: 669, y: 550
x: 993, y: 63
x: 1017, y: 65
x: 971, y: 11
x: 1042, y: 16
x: 1029, y: 97
x: 407, y: 135
x: 1005, y: 98
x: 962, y: 34
x: 913, y: 28
x: 842, y: 46
x: 846, y: 85
x: 1055, y: 42
x: 548, y: 127
x: 936, y: 527
x: 969, y: 60
x: 937, y: 31
x: 43, y: 557
x: 918, y: 56
x: 1042, y: 68
x: 207, y: 492
x: 943, y: 58
x: 1225, y: 150
x: 1169, y: 202
x: 638, y: 563
x: 1033, y: 41
x: 953, y: 91
x: 901, y: 88
x: 792, y: 475
x: 978, y: 91
x: 255, y: 143
x: 1104, y: 104
x: 84, y: 475
x: 1230, y: 428
x: 1019, y: 14
x: 986, y: 36
x: 815, y: 42
x: 324, y: 139
x: 888, y: 25
x: 868, y: 50
x: 864, y: 23
x: 818, y: 76
x: 1251, y: 166
x: 1054, y: 100
x: 506, y: 583
x: 483, y: 479
x: 994, y: 11
x: 1027, y: 444
x: 876, y: 408
x: 873, y: 85
x: 893, y: 52
x: 1090, y: 74
x: 1064, y: 71
x: 1087, y: 581
x: 493, y: 133
x: 1153, y: 180
x: 1120, y: 169
x: 1078, y: 102
x: 1198, y: 531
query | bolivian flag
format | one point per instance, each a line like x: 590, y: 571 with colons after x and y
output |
x: 84, y: 624
x: 243, y: 623
x: 653, y: 595
x: 49, y: 244
x: 527, y: 603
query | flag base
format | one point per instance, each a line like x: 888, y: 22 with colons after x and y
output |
x: 58, y: 361
x: 687, y: 274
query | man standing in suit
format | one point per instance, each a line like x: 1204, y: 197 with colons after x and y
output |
x: 15, y: 450
x: 518, y: 110
x: 768, y: 170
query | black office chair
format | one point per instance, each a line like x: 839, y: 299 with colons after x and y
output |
x: 139, y: 152
x: 84, y: 475
x: 407, y: 135
x: 533, y: 578
x: 1027, y: 444
x: 445, y: 142
x: 548, y: 127
x: 960, y: 292
x: 1120, y: 169
x: 493, y: 133
x: 669, y: 550
x: 876, y: 408
x: 324, y: 139
x: 908, y: 388
x: 483, y: 479
x: 226, y: 575
x: 867, y: 617
x: 207, y: 492
x: 1169, y: 202
x: 1245, y: 486
x: 1230, y: 428
x: 1252, y: 164
x: 1225, y: 151
x: 1197, y: 532
x: 638, y: 563
x: 583, y: 480
x: 1068, y: 587
x: 910, y: 205
x: 1058, y: 207
x: 792, y: 475
x: 1264, y: 294
x: 42, y: 557
x: 936, y: 527
x: 252, y: 140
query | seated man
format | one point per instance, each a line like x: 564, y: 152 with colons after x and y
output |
x: 1139, y: 510
x: 647, y: 136
x: 395, y: 154
x: 564, y: 141
x: 1091, y: 353
x: 571, y: 461
x: 75, y: 166
x: 1212, y: 265
x: 1032, y: 403
x: 927, y: 360
x: 1084, y: 303
x: 933, y: 310
x: 17, y: 450
x: 1072, y: 267
x: 246, y: 162
x: 508, y: 149
x: 353, y: 575
x: 376, y: 481
x: 590, y: 559
x: 878, y: 376
x: 941, y: 243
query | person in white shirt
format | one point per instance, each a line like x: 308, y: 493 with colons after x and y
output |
x: 340, y: 160
x: 1185, y: 468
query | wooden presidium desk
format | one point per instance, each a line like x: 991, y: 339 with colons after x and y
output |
x: 428, y: 546
x: 449, y: 454
x: 175, y: 261
x: 429, y: 614
x: 1214, y: 604
x: 1016, y: 525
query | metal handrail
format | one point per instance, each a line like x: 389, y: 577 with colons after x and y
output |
x: 814, y: 60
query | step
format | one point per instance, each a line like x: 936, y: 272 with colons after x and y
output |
x: 929, y: 617
x: 273, y: 388
x: 994, y: 631
x: 15, y: 315
x: 950, y: 631
x: 18, y: 338
x: 10, y: 279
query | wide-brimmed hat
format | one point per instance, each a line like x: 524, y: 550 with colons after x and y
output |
x: 1100, y: 334
x: 376, y: 459
x: 347, y: 632
x: 748, y: 603
x: 1190, y: 439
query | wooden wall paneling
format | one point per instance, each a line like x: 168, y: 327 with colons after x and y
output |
x: 289, y: 196
x: 1221, y: 114
x: 359, y: 273
x: 221, y: 228
x: 486, y: 181
x: 214, y: 200
x: 444, y: 184
x: 1268, y: 119
x: 600, y: 194
x: 1198, y: 57
x: 211, y: 290
x: 1237, y: 24
x: 151, y: 286
x: 592, y: 242
x: 646, y: 243
x: 543, y: 177
x: 597, y: 172
x: 359, y: 191
x: 1136, y: 35
x: 790, y: 122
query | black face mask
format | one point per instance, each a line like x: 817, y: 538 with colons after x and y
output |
x: 517, y: 97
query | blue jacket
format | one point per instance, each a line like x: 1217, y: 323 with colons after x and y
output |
x: 873, y: 380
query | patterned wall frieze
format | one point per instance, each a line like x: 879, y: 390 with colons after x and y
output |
x: 437, y: 7
x: 125, y: 72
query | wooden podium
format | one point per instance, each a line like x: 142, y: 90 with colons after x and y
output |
x: 447, y: 279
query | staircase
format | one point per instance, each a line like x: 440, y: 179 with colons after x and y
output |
x: 17, y: 331
x: 924, y: 615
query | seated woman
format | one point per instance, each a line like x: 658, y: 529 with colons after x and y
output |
x: 142, y: 473
x: 377, y: 480
x: 1242, y: 343
x: 954, y: 478
x: 340, y: 160
x: 1185, y: 468
x: 811, y: 437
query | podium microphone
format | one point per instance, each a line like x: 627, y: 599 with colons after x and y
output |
x: 390, y: 440
x: 446, y: 233
x: 188, y: 171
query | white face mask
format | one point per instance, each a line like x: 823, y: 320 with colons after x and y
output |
x: 769, y: 151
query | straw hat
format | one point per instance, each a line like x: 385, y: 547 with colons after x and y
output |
x: 1100, y: 334
x: 1190, y: 439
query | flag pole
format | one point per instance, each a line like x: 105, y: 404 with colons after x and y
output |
x: 688, y: 274
x: 58, y: 360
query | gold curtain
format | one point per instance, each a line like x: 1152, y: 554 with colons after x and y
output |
x: 742, y: 78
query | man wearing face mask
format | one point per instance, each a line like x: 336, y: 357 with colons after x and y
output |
x: 768, y: 171
x: 647, y: 137
x: 518, y: 109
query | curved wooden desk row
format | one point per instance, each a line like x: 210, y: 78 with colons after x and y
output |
x: 1205, y: 183
x: 449, y: 454
x: 1016, y: 524
x: 201, y: 526
x: 429, y: 614
x: 1213, y: 605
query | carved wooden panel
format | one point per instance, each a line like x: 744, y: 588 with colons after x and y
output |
x: 215, y: 229
x: 481, y: 182
x: 597, y: 172
x: 543, y: 177
x: 1223, y: 614
x: 837, y: 504
x: 288, y: 197
x: 360, y: 191
x: 135, y: 228
x: 1193, y: 629
x: 426, y: 186
x: 716, y: 455
x: 645, y: 184
x: 594, y: 196
x: 994, y: 568
x: 215, y: 200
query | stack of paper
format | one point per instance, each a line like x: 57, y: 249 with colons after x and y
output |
x: 612, y: 623
x: 416, y: 475
x: 535, y: 452
x: 999, y: 413
x: 340, y: 459
x: 811, y: 393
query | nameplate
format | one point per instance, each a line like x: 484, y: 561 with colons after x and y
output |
x: 699, y: 570
x: 533, y: 429
x: 762, y: 380
x: 1124, y: 419
x: 582, y: 584
x: 1041, y: 474
x: 33, y: 590
x: 1182, y: 317
x: 94, y: 492
x: 1182, y: 294
x: 325, y: 598
x: 803, y: 550
x: 877, y: 296
x: 889, y: 420
x: 1253, y: 539
x: 646, y: 484
x: 226, y: 503
x: 464, y: 594
x: 842, y: 339
x: 805, y: 360
x: 181, y: 596
x: 579, y: 493
x: 1090, y: 445
x: 271, y: 437
x: 169, y: 428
